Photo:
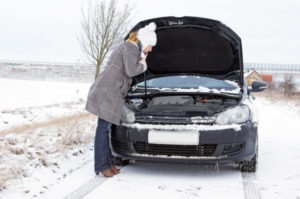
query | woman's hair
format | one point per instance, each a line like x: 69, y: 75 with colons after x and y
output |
x: 133, y: 37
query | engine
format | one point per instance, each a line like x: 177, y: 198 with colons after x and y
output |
x: 181, y: 105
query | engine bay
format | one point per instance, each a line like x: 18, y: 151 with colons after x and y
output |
x: 185, y: 105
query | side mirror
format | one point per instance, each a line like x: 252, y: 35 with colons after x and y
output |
x: 258, y: 86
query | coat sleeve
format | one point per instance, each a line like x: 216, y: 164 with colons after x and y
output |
x: 131, y: 63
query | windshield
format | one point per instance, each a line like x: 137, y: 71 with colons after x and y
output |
x: 180, y: 82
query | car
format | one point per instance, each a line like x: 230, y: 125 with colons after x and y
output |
x: 193, y: 103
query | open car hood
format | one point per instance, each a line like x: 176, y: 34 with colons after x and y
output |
x: 193, y: 45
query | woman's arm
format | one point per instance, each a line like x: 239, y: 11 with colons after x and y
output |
x: 133, y: 66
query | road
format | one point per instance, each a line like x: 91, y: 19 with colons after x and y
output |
x: 178, y: 181
x: 278, y: 174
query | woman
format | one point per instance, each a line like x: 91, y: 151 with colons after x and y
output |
x: 106, y: 95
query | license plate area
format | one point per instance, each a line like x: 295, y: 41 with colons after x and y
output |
x: 173, y: 137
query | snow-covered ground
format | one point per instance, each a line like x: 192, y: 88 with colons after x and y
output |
x: 28, y: 93
x: 27, y: 102
x: 278, y: 174
x: 43, y: 130
x: 49, y: 163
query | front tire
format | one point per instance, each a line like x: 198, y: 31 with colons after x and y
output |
x: 249, y: 166
x: 120, y: 161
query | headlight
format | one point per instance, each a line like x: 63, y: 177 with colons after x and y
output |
x: 128, y: 115
x: 234, y: 115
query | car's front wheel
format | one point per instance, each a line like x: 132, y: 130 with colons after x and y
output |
x: 249, y: 166
x: 120, y: 161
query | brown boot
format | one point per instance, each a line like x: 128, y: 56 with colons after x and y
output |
x: 108, y: 173
x: 115, y: 170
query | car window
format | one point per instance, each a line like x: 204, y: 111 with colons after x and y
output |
x: 186, y: 82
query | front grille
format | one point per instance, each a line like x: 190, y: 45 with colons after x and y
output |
x: 179, y: 150
x: 156, y: 119
x: 119, y: 146
x: 196, y: 113
x: 230, y: 149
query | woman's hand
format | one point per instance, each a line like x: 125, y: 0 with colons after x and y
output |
x: 143, y: 61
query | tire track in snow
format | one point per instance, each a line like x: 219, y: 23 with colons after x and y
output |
x: 250, y: 187
x: 82, y: 191
x: 88, y: 187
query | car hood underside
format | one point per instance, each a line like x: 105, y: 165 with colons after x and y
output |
x: 192, y: 45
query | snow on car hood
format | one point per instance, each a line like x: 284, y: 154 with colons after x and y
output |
x: 201, y: 89
x: 201, y: 127
x: 204, y: 89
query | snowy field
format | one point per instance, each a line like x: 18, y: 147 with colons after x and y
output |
x: 43, y: 125
x: 52, y: 157
x: 28, y: 102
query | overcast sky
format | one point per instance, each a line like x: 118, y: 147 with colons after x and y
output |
x: 45, y: 30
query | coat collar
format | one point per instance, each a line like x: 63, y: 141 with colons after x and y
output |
x: 133, y: 43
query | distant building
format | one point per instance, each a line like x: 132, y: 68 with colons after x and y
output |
x: 267, y: 78
x: 252, y: 76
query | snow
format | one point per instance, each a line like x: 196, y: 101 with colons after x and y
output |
x: 278, y: 175
x: 207, y: 90
x: 46, y: 173
x: 179, y: 156
x: 232, y: 83
x: 29, y: 102
x: 43, y: 125
x: 247, y: 73
x: 187, y: 127
x: 157, y: 180
x: 203, y: 89
x: 26, y: 93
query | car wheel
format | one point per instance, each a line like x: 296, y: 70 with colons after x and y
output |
x: 120, y: 161
x: 248, y: 166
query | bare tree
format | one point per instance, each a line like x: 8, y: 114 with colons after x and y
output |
x: 103, y: 25
x: 288, y: 85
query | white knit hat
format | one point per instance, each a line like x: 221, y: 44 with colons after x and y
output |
x: 147, y: 35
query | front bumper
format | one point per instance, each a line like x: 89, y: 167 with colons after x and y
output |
x: 215, y: 144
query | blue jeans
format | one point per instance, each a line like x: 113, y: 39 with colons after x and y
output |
x: 102, y: 152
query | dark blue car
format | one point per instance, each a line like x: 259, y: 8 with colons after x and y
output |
x: 192, y: 104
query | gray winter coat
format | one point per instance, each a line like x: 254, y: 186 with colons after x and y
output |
x: 107, y: 93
